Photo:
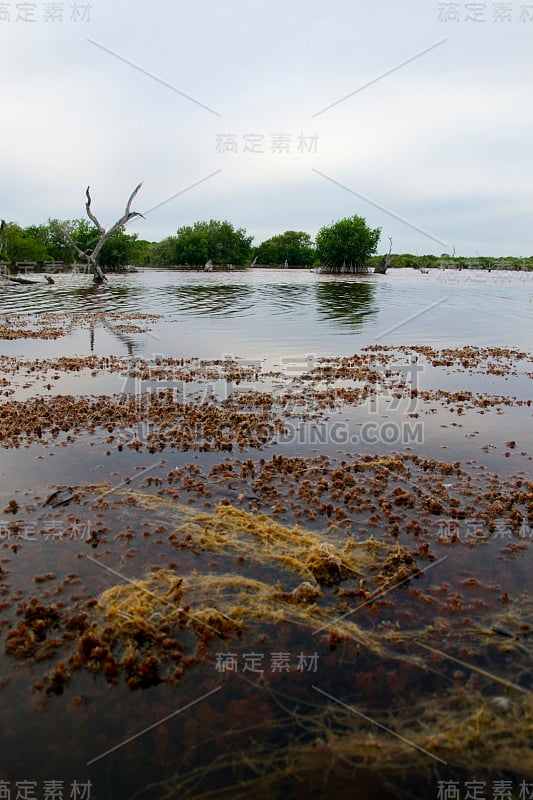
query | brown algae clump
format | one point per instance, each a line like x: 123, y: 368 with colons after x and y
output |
x: 314, y: 556
x: 164, y: 605
x: 142, y: 606
x: 151, y: 629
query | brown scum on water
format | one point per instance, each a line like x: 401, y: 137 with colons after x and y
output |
x: 222, y: 554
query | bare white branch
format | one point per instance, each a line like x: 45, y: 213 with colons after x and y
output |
x: 90, y: 214
x: 92, y: 254
x: 127, y: 212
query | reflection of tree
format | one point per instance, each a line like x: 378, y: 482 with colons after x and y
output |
x: 216, y: 299
x: 128, y: 341
x: 99, y: 299
x: 288, y: 298
x: 347, y: 302
x: 106, y: 298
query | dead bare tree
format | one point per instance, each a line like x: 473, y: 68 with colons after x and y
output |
x: 453, y: 256
x: 91, y: 255
x: 3, y: 226
x: 385, y: 262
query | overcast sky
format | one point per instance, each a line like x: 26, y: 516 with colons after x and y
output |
x: 436, y: 150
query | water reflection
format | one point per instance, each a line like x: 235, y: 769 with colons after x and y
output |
x: 72, y: 294
x: 211, y: 299
x: 105, y: 297
x: 345, y: 302
x: 287, y: 309
x: 130, y: 343
x: 287, y: 298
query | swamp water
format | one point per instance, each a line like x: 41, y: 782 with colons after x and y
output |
x: 266, y: 534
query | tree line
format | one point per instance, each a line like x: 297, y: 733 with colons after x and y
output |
x: 347, y: 245
x: 47, y: 242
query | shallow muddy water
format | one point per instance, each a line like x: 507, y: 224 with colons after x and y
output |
x: 291, y: 548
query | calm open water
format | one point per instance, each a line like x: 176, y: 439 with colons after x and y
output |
x: 274, y: 313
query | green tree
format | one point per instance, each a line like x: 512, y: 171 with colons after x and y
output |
x: 141, y: 252
x: 164, y: 252
x: 119, y: 249
x: 295, y: 247
x: 52, y: 238
x: 217, y: 240
x: 57, y: 246
x: 192, y: 246
x: 83, y: 233
x: 23, y: 245
x: 346, y: 245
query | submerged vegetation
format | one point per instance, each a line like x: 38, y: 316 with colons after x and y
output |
x: 353, y: 614
x: 388, y: 701
x: 142, y: 629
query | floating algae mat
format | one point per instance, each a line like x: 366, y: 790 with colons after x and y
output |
x: 149, y: 629
x: 390, y: 703
x: 479, y: 722
x: 423, y: 675
x: 309, y: 554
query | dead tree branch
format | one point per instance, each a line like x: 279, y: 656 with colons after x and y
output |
x: 385, y: 262
x: 91, y: 255
x: 90, y: 214
x: 125, y: 218
x: 67, y: 232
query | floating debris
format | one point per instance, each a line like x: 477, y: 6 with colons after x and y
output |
x: 62, y: 497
